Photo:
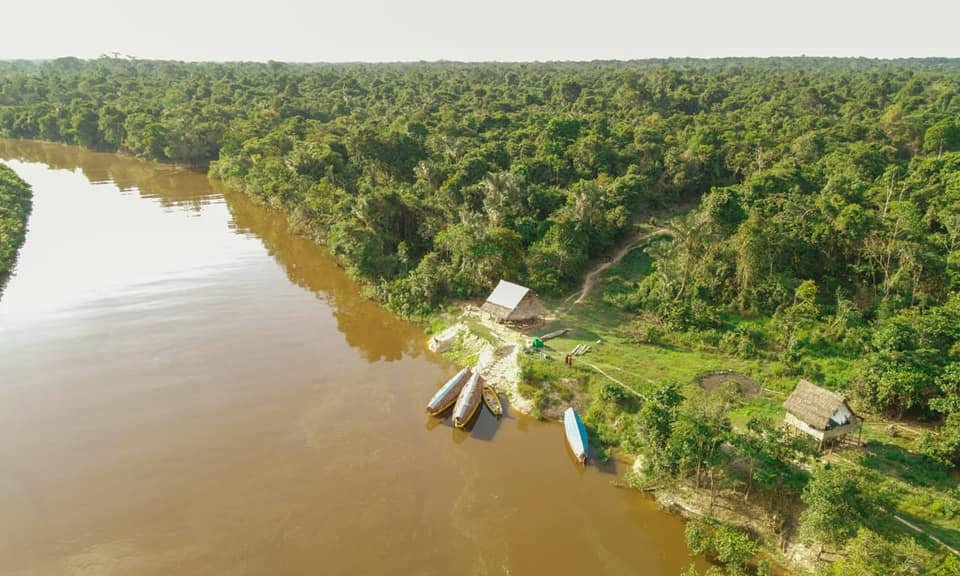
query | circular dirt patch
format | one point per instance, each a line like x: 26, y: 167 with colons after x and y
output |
x: 713, y: 380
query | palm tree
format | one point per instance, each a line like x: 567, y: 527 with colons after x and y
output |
x: 500, y: 190
x: 686, y: 234
x: 429, y: 174
x: 586, y: 201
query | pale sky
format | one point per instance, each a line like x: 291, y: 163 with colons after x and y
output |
x: 506, y: 30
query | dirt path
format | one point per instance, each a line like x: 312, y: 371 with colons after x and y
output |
x: 591, y: 278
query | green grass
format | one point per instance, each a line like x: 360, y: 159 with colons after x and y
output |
x: 460, y: 355
x: 551, y: 384
x: 482, y: 331
x: 763, y: 407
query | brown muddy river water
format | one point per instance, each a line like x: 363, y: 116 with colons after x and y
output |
x: 186, y: 388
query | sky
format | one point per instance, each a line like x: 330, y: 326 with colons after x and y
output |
x: 481, y: 30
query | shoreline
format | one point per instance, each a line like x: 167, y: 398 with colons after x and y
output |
x: 16, y: 198
x: 492, y: 347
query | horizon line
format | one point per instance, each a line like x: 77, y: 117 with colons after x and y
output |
x: 133, y: 58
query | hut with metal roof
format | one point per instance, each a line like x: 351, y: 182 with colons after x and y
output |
x: 511, y: 302
x: 820, y: 413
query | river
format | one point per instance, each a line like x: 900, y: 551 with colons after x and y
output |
x: 187, y: 388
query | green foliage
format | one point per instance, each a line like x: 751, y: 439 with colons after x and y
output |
x: 773, y: 460
x: 837, y: 505
x: 870, y: 554
x: 699, y: 538
x: 731, y: 547
x: 913, y: 359
x: 15, y: 206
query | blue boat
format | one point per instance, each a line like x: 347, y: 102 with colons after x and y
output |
x: 447, y: 395
x: 576, y: 434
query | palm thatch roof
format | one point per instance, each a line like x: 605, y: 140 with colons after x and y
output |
x: 818, y: 407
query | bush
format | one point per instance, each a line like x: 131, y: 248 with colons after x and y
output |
x: 645, y: 331
x: 728, y: 545
x: 739, y: 342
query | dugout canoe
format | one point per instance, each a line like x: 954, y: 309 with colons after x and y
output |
x: 492, y: 400
x: 576, y: 434
x: 448, y: 393
x: 468, y: 402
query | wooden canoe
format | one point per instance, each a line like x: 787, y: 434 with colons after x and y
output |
x: 447, y: 395
x: 492, y: 400
x: 576, y: 434
x: 468, y: 402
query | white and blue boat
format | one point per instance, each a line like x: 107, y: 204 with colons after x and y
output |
x: 447, y: 395
x: 576, y: 434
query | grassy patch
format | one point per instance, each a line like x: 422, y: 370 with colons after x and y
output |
x: 460, y: 353
x: 477, y: 328
x: 763, y: 407
x: 552, y: 385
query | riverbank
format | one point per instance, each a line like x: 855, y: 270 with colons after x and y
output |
x: 15, y: 206
x: 473, y: 339
x: 611, y: 384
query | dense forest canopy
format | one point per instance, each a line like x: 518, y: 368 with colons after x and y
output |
x: 828, y: 190
x: 432, y: 180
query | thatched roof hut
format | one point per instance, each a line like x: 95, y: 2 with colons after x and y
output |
x: 819, y: 413
x: 511, y: 302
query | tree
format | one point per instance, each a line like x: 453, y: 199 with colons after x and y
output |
x: 501, y: 194
x: 944, y: 136
x: 86, y: 128
x: 772, y: 457
x: 730, y: 546
x: 734, y: 548
x: 698, y: 434
x: 869, y: 554
x: 479, y: 256
x: 654, y: 426
x: 837, y: 506
x: 677, y: 258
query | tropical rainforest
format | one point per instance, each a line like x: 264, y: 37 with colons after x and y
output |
x: 807, y: 207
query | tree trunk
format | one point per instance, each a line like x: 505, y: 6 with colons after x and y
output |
x: 713, y: 491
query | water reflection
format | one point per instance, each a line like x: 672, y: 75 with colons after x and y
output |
x: 380, y: 336
x: 169, y: 185
x: 365, y: 326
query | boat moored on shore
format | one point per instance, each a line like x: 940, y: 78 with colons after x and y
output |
x: 492, y: 400
x: 576, y: 434
x: 468, y: 402
x: 447, y: 395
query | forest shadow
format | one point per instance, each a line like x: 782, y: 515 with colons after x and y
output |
x: 911, y: 467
